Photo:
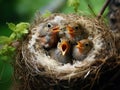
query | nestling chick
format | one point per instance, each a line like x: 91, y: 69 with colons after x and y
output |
x: 82, y: 48
x: 46, y: 27
x: 49, y: 37
x: 62, y: 52
x: 74, y: 32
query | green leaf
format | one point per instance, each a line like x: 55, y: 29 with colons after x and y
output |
x: 18, y: 30
x: 4, y: 40
x: 11, y: 26
x: 74, y: 3
x: 6, y: 74
x: 18, y: 36
x: 21, y: 28
x: 12, y: 36
x: 7, y: 50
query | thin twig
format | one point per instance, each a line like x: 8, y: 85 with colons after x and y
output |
x: 103, y: 8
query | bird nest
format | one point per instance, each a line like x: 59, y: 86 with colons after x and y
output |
x: 36, y: 69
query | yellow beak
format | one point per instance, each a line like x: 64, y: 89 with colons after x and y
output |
x: 70, y: 29
x: 79, y: 45
x: 64, y: 47
x: 56, y: 29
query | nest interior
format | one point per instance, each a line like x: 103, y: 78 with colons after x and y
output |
x: 35, y: 69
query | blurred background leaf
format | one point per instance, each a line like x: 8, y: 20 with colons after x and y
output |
x: 16, y: 11
x: 6, y: 72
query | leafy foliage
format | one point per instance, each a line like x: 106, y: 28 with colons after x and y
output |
x: 18, y: 30
x: 6, y: 49
x: 4, y: 39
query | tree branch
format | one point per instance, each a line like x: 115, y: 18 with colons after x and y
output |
x: 103, y: 8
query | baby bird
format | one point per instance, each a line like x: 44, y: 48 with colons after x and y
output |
x: 82, y: 48
x: 44, y: 28
x: 62, y: 52
x: 48, y: 37
x: 74, y: 32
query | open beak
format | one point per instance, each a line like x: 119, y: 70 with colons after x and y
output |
x: 56, y: 29
x: 64, y: 47
x: 79, y: 45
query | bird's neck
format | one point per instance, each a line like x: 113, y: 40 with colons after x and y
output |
x: 72, y: 35
x: 81, y: 50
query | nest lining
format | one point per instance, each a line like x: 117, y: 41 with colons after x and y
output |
x: 38, y: 63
